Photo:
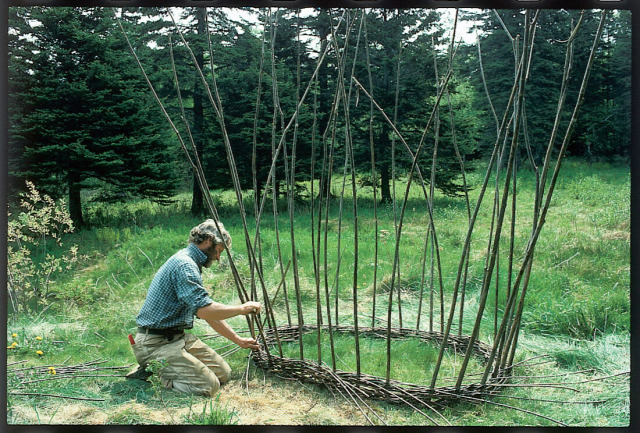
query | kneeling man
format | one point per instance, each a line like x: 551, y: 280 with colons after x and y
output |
x: 175, y: 296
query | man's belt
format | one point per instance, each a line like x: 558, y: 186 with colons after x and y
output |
x: 168, y: 333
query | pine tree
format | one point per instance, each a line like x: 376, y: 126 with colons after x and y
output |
x: 604, y: 120
x: 81, y: 116
x: 399, y: 58
x: 604, y: 127
x: 238, y: 56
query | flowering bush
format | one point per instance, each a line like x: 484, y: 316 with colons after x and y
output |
x: 31, y: 261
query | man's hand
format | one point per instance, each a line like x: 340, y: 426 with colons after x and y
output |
x: 251, y: 307
x: 248, y: 343
x: 217, y: 311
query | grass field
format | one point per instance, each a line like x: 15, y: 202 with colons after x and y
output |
x: 576, y: 315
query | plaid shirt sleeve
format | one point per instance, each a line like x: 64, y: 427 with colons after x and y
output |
x: 190, y: 289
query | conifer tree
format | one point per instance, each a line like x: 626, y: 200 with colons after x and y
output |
x: 604, y: 121
x: 81, y: 116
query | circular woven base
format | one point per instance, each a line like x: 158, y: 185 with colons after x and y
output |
x: 374, y: 387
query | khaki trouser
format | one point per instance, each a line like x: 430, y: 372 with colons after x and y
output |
x: 192, y: 366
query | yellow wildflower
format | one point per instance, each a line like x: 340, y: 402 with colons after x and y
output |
x: 39, y: 352
x: 38, y: 338
x: 14, y: 335
x: 52, y: 370
x: 14, y: 344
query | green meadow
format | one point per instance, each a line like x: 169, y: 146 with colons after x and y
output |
x: 576, y: 320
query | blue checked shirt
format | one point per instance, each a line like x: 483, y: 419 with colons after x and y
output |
x: 176, y: 292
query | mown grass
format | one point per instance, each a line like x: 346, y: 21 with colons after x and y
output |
x: 577, y: 308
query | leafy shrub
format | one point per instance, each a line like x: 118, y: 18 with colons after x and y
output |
x: 35, y: 253
x: 107, y: 236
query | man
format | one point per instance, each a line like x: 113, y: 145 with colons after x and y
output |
x: 175, y: 296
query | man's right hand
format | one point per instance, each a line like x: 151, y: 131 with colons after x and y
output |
x: 251, y: 307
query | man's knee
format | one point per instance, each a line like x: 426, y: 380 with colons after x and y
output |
x: 207, y: 387
x: 224, y: 374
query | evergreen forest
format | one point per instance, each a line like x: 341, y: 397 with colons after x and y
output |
x: 85, y: 127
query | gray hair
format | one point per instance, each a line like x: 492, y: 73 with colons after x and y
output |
x: 209, y: 230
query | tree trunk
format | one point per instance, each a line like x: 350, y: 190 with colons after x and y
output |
x: 75, y: 204
x: 385, y: 181
x: 384, y: 157
x: 196, y: 200
x: 197, y: 205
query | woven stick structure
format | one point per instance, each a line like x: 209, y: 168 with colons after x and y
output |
x: 368, y: 386
x: 331, y: 308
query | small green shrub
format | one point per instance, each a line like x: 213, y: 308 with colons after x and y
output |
x: 213, y: 413
x: 154, y: 367
x: 35, y: 252
x: 107, y: 236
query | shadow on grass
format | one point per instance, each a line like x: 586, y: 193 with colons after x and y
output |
x: 140, y: 391
x: 126, y: 390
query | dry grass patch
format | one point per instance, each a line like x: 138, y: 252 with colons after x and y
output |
x: 624, y: 235
x: 60, y: 413
x: 265, y: 402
